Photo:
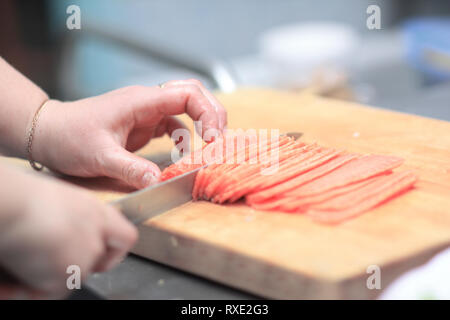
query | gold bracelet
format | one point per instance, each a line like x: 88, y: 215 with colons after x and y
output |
x: 36, y: 166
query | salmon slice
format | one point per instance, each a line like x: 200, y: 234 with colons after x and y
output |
x: 294, y: 203
x: 316, y: 169
x: 301, y: 205
x: 354, y: 171
x: 270, y: 204
x: 248, y: 170
x: 327, y: 184
x: 292, y: 168
x: 256, y: 181
x: 222, y: 171
x: 196, y: 159
x: 237, y: 153
x: 356, y: 202
x: 189, y: 162
x: 288, y: 167
x: 183, y: 165
x: 281, y: 200
x: 238, y: 185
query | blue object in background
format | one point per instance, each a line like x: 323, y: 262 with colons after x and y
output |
x: 428, y: 47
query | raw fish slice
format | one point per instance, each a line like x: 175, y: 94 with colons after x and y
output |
x: 221, y: 171
x: 246, y: 170
x: 301, y: 176
x: 390, y: 186
x: 239, y: 185
x: 297, y: 203
x: 354, y: 171
x: 257, y: 181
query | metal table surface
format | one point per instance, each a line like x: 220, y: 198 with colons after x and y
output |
x: 139, y: 278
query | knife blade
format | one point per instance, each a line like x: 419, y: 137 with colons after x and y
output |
x: 144, y: 204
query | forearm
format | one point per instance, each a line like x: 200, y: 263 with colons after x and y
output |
x: 19, y: 100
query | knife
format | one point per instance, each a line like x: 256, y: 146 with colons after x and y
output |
x: 144, y: 204
x: 147, y: 203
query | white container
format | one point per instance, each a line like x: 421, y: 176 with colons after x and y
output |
x: 295, y: 54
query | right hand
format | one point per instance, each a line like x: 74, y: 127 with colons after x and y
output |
x: 57, y: 225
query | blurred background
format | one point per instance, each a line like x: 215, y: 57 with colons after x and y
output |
x: 323, y: 46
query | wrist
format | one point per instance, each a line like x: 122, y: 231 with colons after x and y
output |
x: 20, y: 98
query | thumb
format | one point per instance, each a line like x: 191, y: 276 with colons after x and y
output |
x: 136, y: 171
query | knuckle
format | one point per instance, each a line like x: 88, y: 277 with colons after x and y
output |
x: 194, y: 92
x: 130, y: 171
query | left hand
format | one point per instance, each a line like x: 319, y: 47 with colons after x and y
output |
x: 97, y: 136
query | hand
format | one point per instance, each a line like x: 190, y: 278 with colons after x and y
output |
x: 53, y: 226
x: 96, y: 136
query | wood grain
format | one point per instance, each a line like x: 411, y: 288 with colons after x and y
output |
x: 281, y: 255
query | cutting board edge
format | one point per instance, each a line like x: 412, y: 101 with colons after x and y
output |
x: 159, y: 245
x: 270, y: 280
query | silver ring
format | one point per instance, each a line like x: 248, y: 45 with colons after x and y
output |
x: 162, y: 85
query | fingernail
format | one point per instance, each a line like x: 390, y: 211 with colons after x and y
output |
x: 149, y: 178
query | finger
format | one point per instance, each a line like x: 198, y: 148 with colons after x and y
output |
x: 220, y: 109
x: 139, y: 137
x: 120, y: 236
x: 121, y: 164
x: 198, y: 107
x: 169, y: 125
x: 154, y: 103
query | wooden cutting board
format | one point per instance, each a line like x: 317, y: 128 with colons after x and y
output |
x: 279, y: 255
